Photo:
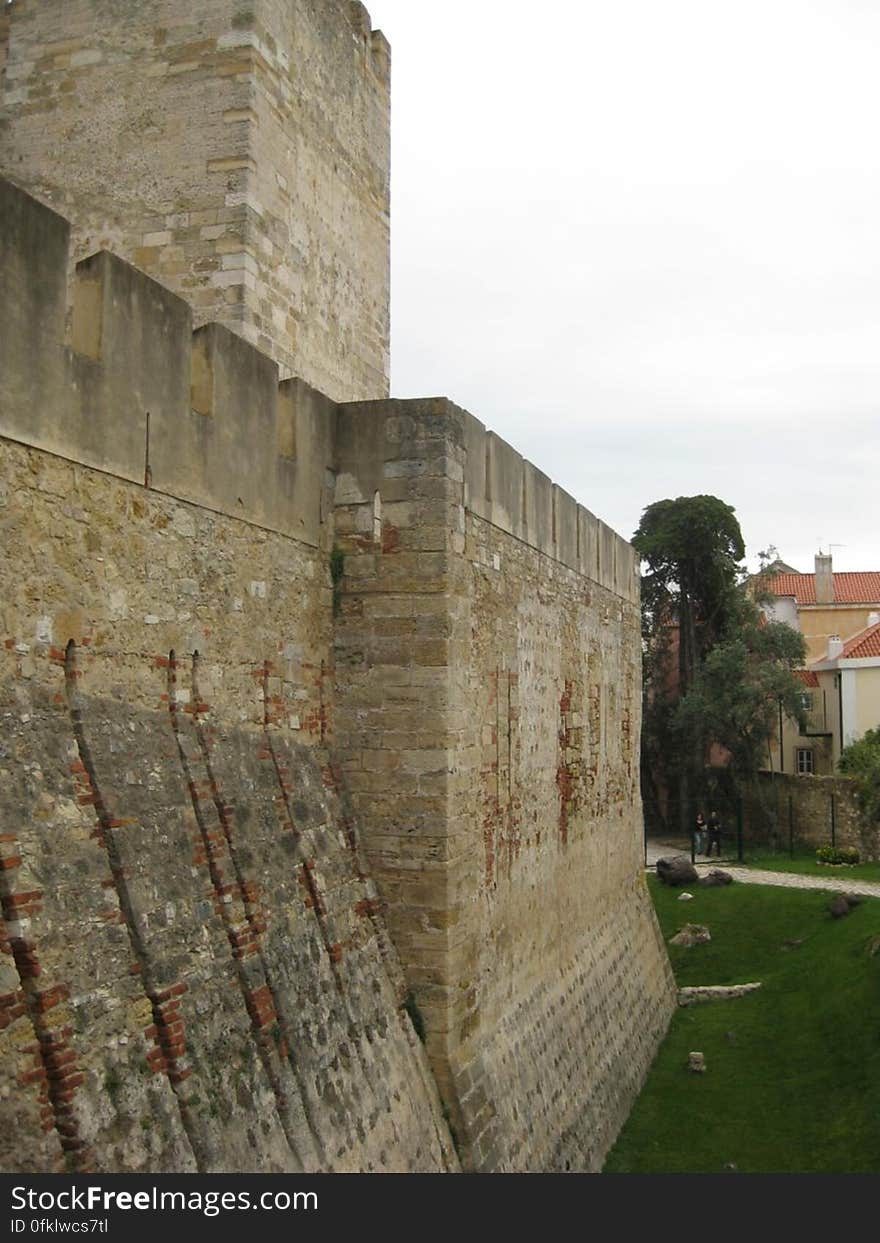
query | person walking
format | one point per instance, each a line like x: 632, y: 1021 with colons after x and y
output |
x: 714, y: 828
x: 699, y: 834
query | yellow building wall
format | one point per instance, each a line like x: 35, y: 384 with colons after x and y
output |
x: 819, y: 623
x: 868, y: 700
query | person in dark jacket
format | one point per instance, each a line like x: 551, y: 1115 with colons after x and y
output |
x: 714, y: 835
x: 700, y: 834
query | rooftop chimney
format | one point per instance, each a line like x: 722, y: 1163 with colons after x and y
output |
x: 835, y: 646
x: 824, y: 579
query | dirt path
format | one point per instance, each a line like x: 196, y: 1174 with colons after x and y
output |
x: 756, y: 876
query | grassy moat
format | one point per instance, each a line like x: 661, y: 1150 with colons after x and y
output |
x: 793, y: 1070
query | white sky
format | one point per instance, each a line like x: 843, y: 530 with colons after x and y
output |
x: 641, y: 242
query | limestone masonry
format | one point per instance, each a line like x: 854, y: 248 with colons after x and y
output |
x: 236, y: 150
x: 320, y: 832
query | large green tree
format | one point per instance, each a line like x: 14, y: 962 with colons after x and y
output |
x: 692, y: 548
x: 715, y: 670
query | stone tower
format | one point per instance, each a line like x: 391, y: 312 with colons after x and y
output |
x: 198, y: 142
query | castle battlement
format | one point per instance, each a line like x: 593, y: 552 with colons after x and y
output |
x: 138, y: 393
x: 106, y: 369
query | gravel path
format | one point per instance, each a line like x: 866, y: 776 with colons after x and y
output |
x: 756, y: 876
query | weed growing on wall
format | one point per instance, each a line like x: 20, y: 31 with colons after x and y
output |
x: 337, y: 569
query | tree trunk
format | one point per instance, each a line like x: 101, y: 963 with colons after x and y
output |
x: 653, y: 808
x: 687, y: 663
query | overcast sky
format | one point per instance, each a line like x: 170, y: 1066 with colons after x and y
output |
x: 641, y: 242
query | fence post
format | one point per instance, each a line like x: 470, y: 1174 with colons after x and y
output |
x: 833, y: 822
x: 790, y: 826
x: 645, y: 837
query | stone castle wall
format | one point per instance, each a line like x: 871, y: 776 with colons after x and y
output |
x: 196, y: 142
x: 214, y: 708
x: 488, y: 697
x: 553, y: 678
x: 335, y: 707
x: 194, y: 972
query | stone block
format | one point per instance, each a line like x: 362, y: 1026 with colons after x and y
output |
x: 130, y: 368
x: 566, y: 528
x: 33, y: 285
x: 505, y: 486
x: 538, y: 510
x: 476, y: 476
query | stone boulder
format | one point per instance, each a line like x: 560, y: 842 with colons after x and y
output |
x: 694, y: 994
x: 676, y: 870
x: 843, y: 903
x: 715, y: 879
x: 691, y: 934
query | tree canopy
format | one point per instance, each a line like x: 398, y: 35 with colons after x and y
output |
x: 692, y: 548
x: 715, y: 670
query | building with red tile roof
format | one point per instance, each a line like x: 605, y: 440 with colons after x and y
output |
x: 824, y: 605
x: 863, y: 646
x: 851, y: 671
x: 839, y: 616
x: 849, y: 588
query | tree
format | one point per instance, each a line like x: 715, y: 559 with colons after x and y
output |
x: 715, y: 670
x: 692, y: 547
x: 861, y: 761
x: 742, y: 683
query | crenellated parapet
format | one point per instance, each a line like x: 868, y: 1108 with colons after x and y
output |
x: 506, y: 490
x: 108, y: 371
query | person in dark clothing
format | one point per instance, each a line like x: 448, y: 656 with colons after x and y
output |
x: 714, y: 835
x: 699, y: 834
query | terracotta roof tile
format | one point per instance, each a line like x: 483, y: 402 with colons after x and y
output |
x: 867, y: 643
x: 807, y: 677
x: 849, y: 588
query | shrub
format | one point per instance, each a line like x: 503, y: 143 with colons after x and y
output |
x: 861, y: 761
x: 837, y: 854
x: 337, y: 569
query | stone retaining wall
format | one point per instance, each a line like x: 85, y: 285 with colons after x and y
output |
x: 822, y: 808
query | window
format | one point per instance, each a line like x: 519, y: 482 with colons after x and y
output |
x: 804, y: 760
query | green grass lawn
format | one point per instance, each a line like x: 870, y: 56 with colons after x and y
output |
x: 793, y: 1071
